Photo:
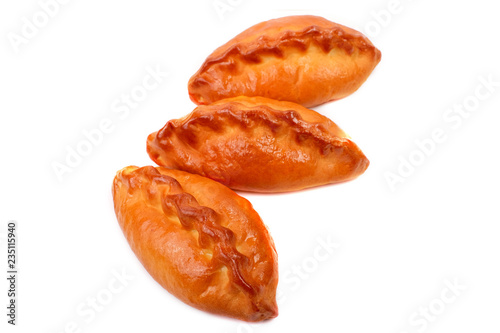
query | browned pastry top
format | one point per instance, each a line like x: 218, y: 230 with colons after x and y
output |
x: 303, y: 59
x: 198, y: 239
x: 299, y: 34
x: 258, y: 144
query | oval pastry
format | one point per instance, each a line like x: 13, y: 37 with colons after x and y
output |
x: 303, y: 59
x: 258, y: 144
x: 201, y: 241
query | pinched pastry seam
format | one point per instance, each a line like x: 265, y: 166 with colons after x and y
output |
x: 326, y: 39
x: 192, y: 216
x: 227, y: 114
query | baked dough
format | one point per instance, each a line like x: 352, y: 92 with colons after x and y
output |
x: 258, y: 144
x: 201, y: 241
x: 303, y: 59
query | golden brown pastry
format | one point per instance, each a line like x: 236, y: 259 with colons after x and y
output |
x: 201, y: 241
x: 303, y: 59
x: 258, y: 144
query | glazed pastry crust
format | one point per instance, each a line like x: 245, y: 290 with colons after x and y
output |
x: 303, y: 59
x: 201, y: 241
x: 258, y: 144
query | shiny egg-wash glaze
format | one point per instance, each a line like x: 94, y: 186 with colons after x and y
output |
x: 200, y: 240
x: 303, y: 59
x: 258, y: 144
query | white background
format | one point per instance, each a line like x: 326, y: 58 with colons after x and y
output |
x: 398, y: 247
